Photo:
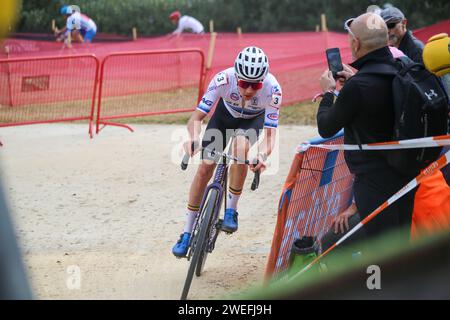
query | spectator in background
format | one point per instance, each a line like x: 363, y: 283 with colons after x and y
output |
x: 185, y: 24
x: 365, y: 109
x: 399, y: 36
x: 432, y: 203
x: 80, y: 26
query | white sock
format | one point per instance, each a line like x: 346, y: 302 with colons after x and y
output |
x: 233, y: 198
x: 191, y: 215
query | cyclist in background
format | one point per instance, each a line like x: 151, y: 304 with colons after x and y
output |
x: 248, y: 100
x: 81, y: 27
x: 185, y: 24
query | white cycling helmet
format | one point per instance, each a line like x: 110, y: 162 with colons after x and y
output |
x: 252, y: 65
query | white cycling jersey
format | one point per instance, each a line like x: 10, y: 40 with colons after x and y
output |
x: 189, y: 23
x: 224, y: 86
x: 78, y: 21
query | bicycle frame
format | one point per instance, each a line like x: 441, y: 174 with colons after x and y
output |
x: 207, y: 225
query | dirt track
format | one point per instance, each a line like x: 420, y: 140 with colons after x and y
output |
x: 113, y: 207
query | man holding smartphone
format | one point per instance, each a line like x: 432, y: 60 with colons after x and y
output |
x: 365, y: 110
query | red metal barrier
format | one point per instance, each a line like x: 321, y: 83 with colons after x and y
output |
x: 48, y: 89
x: 136, y: 84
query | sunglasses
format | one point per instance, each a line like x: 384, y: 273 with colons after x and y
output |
x: 392, y: 25
x: 245, y: 85
x: 347, y: 25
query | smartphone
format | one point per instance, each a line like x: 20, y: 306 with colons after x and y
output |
x: 334, y: 61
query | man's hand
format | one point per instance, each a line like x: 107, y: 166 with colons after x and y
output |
x: 259, y: 163
x: 188, y: 147
x: 59, y: 34
x: 327, y: 81
x: 345, y: 75
x: 341, y: 222
x: 173, y: 35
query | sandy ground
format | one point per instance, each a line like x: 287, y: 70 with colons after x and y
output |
x: 96, y: 219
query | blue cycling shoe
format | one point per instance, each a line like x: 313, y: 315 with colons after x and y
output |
x: 230, y: 221
x: 181, y: 248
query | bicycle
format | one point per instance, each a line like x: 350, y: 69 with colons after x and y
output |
x: 207, y: 225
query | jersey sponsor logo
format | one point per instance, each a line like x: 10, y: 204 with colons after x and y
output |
x: 232, y: 103
x: 273, y: 116
x: 276, y: 89
x: 209, y: 103
x: 212, y: 88
x: 234, y: 96
x: 271, y: 125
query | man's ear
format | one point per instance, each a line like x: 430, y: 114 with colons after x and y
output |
x: 405, y: 23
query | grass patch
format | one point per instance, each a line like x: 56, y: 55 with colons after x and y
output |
x: 300, y: 114
x: 170, y: 119
x: 303, y: 113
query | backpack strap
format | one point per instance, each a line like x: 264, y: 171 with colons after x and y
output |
x: 407, y: 65
x: 358, y: 140
x: 447, y: 94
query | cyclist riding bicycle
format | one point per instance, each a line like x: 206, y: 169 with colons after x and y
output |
x: 82, y: 28
x: 248, y: 100
x: 185, y: 24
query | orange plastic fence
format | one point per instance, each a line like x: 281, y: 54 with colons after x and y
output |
x: 318, y: 187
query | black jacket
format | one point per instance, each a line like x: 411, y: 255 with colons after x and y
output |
x: 412, y: 47
x: 365, y: 104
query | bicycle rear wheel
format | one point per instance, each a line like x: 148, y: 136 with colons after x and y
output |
x: 200, y: 240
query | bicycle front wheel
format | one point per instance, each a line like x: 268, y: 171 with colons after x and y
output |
x: 200, y: 240
x: 210, y: 210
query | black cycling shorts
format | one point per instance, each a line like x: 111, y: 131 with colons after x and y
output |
x: 223, y: 126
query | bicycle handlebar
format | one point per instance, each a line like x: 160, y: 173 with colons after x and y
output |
x: 186, y: 158
x: 255, y: 183
x: 185, y: 162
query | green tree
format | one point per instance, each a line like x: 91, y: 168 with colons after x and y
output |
x: 151, y: 16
